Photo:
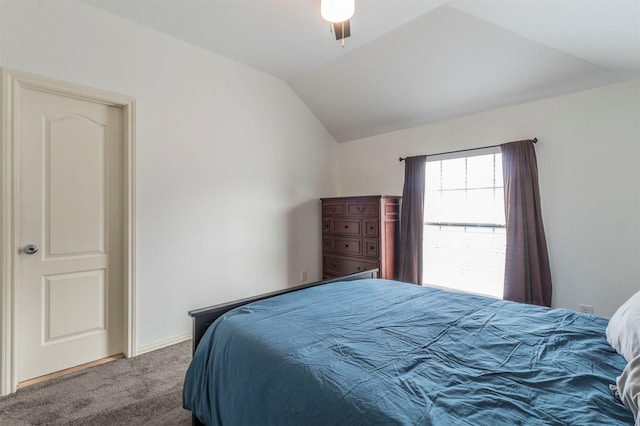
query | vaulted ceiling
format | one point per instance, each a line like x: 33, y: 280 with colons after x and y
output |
x: 411, y: 62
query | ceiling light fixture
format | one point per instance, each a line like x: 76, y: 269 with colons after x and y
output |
x: 339, y: 13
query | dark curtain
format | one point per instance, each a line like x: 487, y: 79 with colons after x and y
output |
x: 527, y: 275
x: 412, y: 221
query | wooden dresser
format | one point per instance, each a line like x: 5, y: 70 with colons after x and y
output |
x: 360, y: 233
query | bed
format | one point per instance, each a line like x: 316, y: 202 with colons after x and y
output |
x: 365, y: 351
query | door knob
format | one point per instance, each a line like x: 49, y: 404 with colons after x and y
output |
x: 31, y: 249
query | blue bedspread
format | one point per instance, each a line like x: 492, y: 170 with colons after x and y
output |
x: 381, y: 352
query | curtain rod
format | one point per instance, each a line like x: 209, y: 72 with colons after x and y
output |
x: 535, y: 140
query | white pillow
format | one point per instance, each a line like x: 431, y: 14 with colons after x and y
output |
x: 623, y: 331
x: 629, y: 387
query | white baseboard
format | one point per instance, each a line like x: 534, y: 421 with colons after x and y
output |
x: 163, y: 344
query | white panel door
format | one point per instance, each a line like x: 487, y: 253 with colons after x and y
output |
x: 69, y: 206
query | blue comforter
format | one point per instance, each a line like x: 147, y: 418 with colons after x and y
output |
x: 382, y: 352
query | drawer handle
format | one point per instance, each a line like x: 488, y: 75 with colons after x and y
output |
x: 346, y: 246
x: 371, y: 228
x: 360, y: 209
x: 333, y: 209
x: 359, y: 269
x: 346, y: 227
x: 333, y: 265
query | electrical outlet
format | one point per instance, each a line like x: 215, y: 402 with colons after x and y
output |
x: 586, y: 309
x: 304, y: 276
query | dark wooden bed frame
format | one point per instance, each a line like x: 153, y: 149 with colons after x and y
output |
x: 204, y: 317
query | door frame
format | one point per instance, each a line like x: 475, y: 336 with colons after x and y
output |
x: 11, y: 83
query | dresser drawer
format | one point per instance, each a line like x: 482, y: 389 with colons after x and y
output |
x: 333, y: 209
x: 346, y: 226
x: 363, y: 208
x: 349, y: 246
x: 371, y: 248
x: 371, y: 227
x: 339, y: 266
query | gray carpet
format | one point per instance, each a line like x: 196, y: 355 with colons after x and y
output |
x: 145, y: 390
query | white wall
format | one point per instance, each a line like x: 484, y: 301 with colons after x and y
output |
x: 230, y: 162
x: 589, y: 165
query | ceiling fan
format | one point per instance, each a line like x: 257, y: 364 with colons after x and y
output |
x: 338, y: 13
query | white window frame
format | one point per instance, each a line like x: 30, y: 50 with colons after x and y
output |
x: 451, y: 156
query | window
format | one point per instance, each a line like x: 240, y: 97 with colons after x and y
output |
x: 464, y: 234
